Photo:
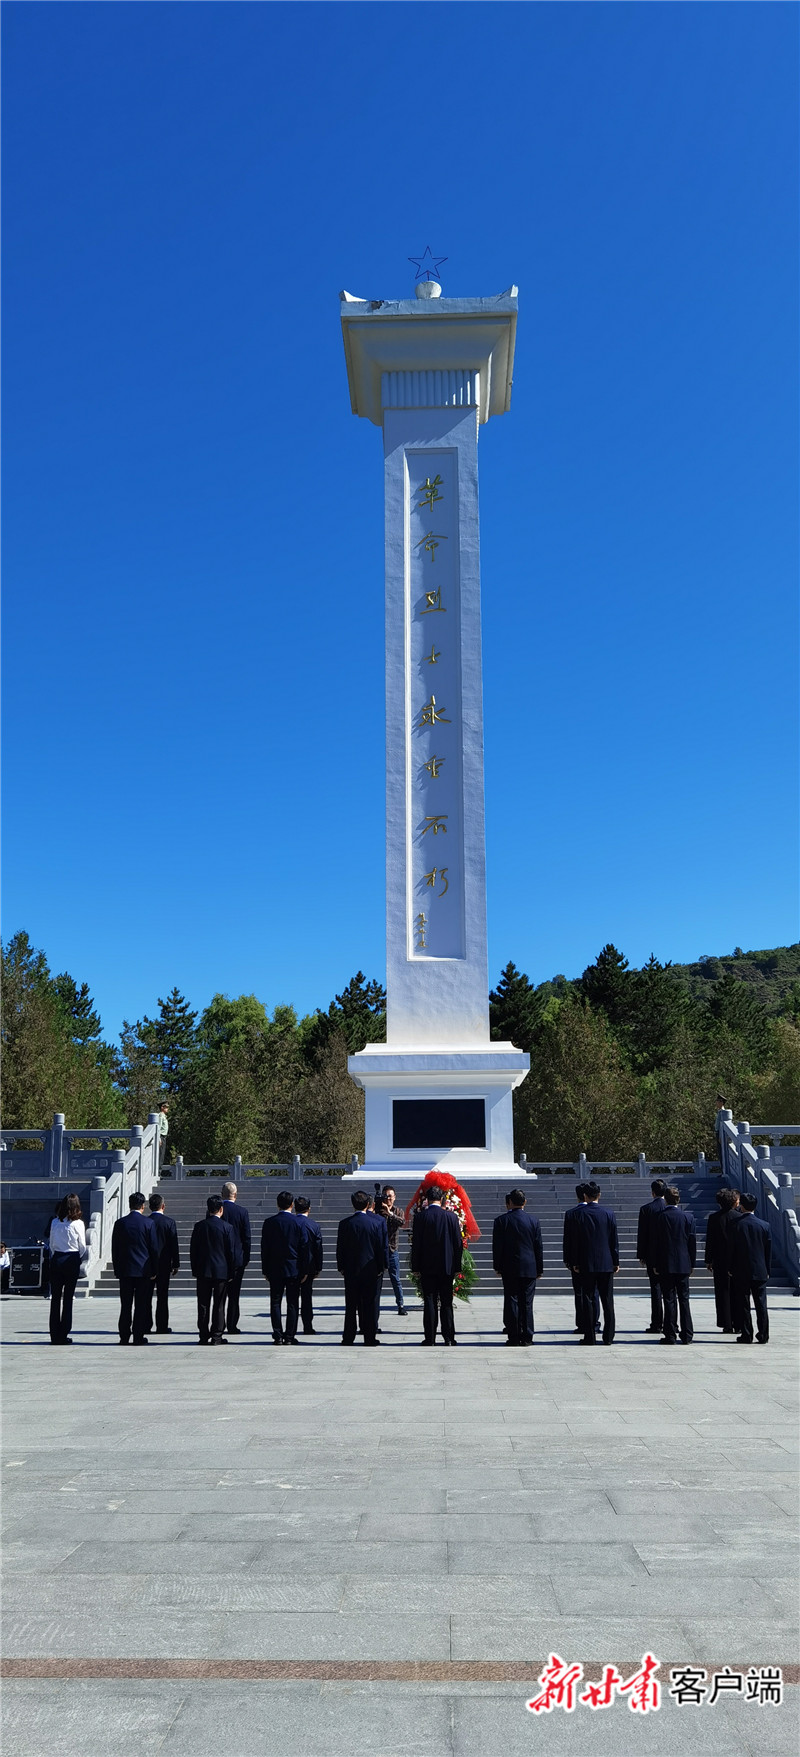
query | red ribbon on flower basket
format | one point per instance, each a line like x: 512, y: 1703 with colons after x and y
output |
x: 455, y: 1197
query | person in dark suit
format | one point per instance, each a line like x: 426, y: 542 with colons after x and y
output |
x: 284, y: 1262
x: 718, y: 1256
x: 568, y: 1254
x: 644, y: 1252
x: 237, y: 1217
x: 495, y: 1233
x: 214, y: 1259
x: 675, y: 1245
x: 436, y: 1252
x: 134, y: 1259
x: 169, y: 1261
x: 362, y: 1254
x: 596, y: 1246
x: 517, y: 1257
x: 751, y: 1262
x: 302, y: 1206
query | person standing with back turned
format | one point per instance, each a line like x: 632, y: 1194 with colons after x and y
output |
x: 214, y: 1259
x: 68, y: 1250
x: 134, y: 1259
x: 596, y: 1246
x: 169, y: 1261
x: 675, y: 1244
x: 517, y: 1257
x: 751, y: 1261
x: 302, y: 1208
x: 238, y: 1218
x: 645, y: 1253
x: 361, y: 1256
x: 436, y: 1252
x: 285, y: 1257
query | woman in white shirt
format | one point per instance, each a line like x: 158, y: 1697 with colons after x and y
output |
x: 67, y: 1251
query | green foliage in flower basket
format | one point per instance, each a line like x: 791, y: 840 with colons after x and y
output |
x: 464, y: 1283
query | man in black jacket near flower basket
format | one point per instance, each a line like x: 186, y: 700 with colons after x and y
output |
x: 517, y: 1257
x: 436, y: 1252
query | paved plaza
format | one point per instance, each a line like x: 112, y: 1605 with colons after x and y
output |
x: 376, y: 1536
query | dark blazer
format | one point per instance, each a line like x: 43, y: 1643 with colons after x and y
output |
x: 674, y: 1241
x: 361, y: 1246
x: 751, y: 1249
x: 517, y: 1245
x: 165, y: 1233
x: 284, y: 1247
x: 213, y: 1252
x: 594, y: 1239
x: 645, y: 1231
x: 716, y: 1244
x: 239, y: 1221
x: 134, y: 1250
x: 436, y: 1244
x: 569, y: 1233
x: 314, y: 1231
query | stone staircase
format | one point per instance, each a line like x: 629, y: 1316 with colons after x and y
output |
x: 548, y: 1198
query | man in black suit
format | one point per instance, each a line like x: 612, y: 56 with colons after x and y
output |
x: 214, y: 1259
x: 495, y: 1233
x: 568, y: 1255
x: 718, y: 1255
x: 596, y: 1246
x: 238, y: 1218
x: 169, y: 1261
x: 517, y: 1257
x: 644, y: 1252
x: 751, y: 1262
x: 134, y: 1259
x: 436, y: 1252
x: 284, y: 1263
x: 675, y: 1244
x: 302, y: 1206
x: 362, y: 1254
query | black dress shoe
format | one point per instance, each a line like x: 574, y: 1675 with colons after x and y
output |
x: 653, y: 1330
x: 402, y: 1312
x: 426, y: 1344
x: 744, y: 1338
x: 167, y: 1332
x: 294, y: 1341
x: 204, y: 1341
x: 278, y: 1341
x: 233, y: 1330
x: 762, y: 1339
x: 668, y: 1342
x: 308, y: 1330
x: 141, y: 1342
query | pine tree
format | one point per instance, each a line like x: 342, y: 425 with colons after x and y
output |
x: 516, y: 1009
x: 606, y: 985
x: 358, y: 1015
x: 172, y: 1037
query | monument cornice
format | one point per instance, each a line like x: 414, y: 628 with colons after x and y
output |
x: 429, y: 335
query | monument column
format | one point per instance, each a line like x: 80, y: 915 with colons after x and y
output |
x: 429, y: 371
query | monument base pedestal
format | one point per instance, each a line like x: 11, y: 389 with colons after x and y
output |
x: 449, y: 1107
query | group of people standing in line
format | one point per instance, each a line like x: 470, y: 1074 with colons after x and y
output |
x: 145, y: 1256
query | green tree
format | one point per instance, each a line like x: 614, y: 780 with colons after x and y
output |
x: 172, y: 1037
x: 358, y: 1015
x: 655, y: 1008
x: 48, y: 1065
x: 733, y: 1004
x: 606, y: 985
x: 516, y: 1009
x: 579, y: 1095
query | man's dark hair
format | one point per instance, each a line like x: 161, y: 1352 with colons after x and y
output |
x: 213, y: 1204
x: 302, y: 1204
x: 672, y: 1196
x: 726, y: 1198
x: 360, y: 1200
x: 508, y: 1198
x: 156, y: 1202
x: 592, y: 1191
x: 136, y: 1201
x: 721, y: 1099
x: 434, y: 1194
x: 658, y: 1186
x: 748, y: 1203
x: 517, y: 1198
x: 580, y: 1191
x: 285, y: 1198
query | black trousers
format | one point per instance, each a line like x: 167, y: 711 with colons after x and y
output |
x: 722, y: 1298
x: 65, y: 1267
x: 359, y: 1306
x: 134, y: 1306
x: 437, y: 1307
x: 598, y: 1283
x: 519, y: 1292
x: 5, y: 1277
x: 738, y: 1301
x: 677, y: 1310
x: 757, y: 1291
x: 378, y: 1292
x: 234, y: 1293
x: 290, y: 1286
x: 578, y: 1292
x: 211, y: 1300
x: 307, y: 1303
x: 160, y: 1289
x: 656, y: 1300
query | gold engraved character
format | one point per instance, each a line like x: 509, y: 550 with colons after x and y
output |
x: 433, y: 601
x: 432, y: 658
x: 420, y: 925
x: 434, y: 765
x: 431, y: 540
x: 441, y: 873
x: 437, y: 823
x: 430, y: 714
x: 429, y: 492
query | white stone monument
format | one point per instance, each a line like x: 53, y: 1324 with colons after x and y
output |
x: 428, y: 371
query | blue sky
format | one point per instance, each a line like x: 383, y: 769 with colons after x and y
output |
x: 193, y: 519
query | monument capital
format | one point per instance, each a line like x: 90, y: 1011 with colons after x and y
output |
x: 384, y: 338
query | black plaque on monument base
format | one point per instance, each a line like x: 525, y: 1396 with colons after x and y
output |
x: 436, y: 1123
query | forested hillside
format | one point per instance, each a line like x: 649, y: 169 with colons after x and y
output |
x: 622, y: 1060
